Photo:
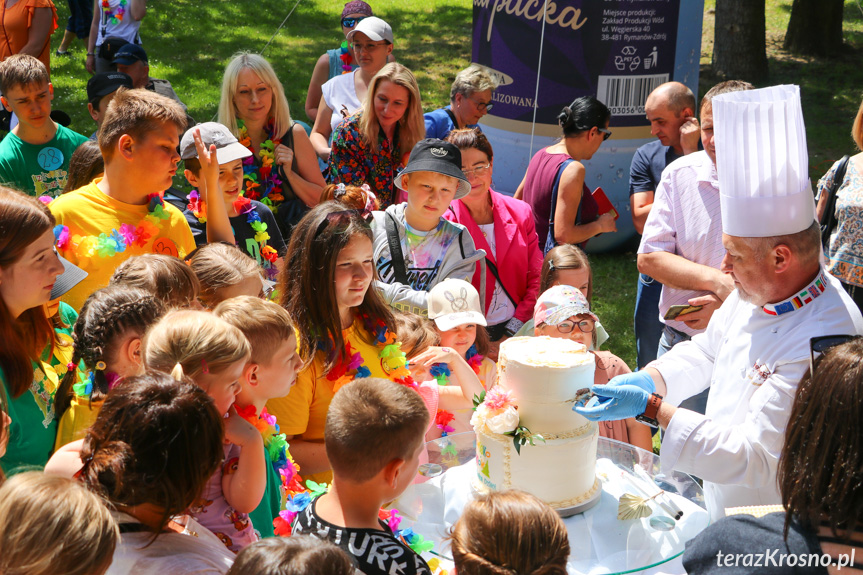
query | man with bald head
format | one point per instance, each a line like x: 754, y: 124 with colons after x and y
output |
x: 670, y: 108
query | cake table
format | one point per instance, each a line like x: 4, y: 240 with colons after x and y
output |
x: 600, y: 543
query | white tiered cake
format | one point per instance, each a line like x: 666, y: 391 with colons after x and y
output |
x: 538, y: 381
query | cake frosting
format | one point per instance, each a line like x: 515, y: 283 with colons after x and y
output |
x: 539, y: 379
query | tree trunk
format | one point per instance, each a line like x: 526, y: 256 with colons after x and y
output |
x: 740, y: 38
x: 815, y: 28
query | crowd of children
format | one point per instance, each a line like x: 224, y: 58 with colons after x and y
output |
x: 218, y: 384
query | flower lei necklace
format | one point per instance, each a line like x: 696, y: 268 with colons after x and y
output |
x: 86, y: 380
x: 114, y: 17
x: 243, y: 206
x: 345, y: 57
x: 441, y: 373
x: 391, y: 355
x: 262, y: 184
x: 108, y: 245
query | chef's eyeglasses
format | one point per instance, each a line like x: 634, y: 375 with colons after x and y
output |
x: 351, y: 22
x: 819, y: 345
x: 585, y: 326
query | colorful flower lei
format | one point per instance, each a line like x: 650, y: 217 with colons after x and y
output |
x: 114, y: 17
x: 269, y: 254
x: 415, y: 541
x: 262, y: 184
x: 346, y: 58
x: 392, y: 358
x: 108, y: 245
x: 280, y: 458
x: 441, y: 373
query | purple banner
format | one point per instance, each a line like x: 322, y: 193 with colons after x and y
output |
x: 616, y: 50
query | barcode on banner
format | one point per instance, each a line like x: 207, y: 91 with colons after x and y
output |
x: 626, y: 95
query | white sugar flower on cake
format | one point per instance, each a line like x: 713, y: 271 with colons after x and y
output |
x: 498, y: 412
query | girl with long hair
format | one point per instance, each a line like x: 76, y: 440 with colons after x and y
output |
x: 344, y: 330
x: 34, y: 354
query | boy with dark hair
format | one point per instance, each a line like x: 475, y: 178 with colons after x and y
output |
x: 431, y: 248
x: 224, y: 214
x: 101, y: 88
x: 121, y: 215
x: 374, y: 437
x: 34, y: 156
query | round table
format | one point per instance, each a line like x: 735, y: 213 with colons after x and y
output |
x: 600, y: 543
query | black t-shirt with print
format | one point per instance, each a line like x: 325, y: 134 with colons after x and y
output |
x: 373, y: 552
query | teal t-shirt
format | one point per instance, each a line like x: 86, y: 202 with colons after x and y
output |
x: 38, y: 169
x: 268, y: 509
x: 34, y: 427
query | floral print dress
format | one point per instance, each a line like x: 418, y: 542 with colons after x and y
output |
x: 845, y: 249
x: 353, y: 163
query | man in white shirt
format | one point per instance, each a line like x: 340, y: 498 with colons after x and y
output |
x: 681, y: 246
x: 756, y: 347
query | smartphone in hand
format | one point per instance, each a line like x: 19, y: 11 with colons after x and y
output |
x: 676, y: 311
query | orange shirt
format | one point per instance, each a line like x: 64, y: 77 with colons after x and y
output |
x: 15, y: 31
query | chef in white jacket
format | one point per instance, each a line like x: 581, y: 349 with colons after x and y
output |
x: 756, y: 347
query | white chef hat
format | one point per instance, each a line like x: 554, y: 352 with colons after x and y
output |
x: 762, y: 162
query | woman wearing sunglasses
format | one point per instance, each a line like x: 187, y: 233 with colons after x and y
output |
x: 339, y: 60
x: 371, y: 43
x: 820, y: 478
x: 503, y: 227
x: 563, y: 208
x: 470, y: 100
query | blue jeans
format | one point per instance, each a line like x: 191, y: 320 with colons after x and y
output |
x: 670, y: 338
x: 648, y: 328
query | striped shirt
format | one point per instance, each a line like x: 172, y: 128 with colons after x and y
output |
x: 685, y: 220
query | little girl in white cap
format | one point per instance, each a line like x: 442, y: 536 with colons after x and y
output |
x: 562, y: 311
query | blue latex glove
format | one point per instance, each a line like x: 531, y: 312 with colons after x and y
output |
x: 624, y: 396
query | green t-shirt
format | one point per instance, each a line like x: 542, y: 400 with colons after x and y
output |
x: 38, y: 169
x: 34, y: 427
x: 268, y: 509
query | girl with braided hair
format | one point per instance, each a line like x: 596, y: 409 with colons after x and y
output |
x: 509, y: 533
x: 107, y: 337
x: 564, y: 210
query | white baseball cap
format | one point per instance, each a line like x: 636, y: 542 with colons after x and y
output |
x: 373, y: 27
x: 228, y: 148
x: 453, y: 303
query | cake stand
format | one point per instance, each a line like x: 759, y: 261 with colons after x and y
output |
x: 599, y: 542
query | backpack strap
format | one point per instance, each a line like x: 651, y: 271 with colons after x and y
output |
x: 395, y: 243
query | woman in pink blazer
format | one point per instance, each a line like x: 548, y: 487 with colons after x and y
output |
x: 504, y: 228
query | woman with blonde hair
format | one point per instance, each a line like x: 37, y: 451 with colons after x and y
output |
x: 54, y: 525
x: 373, y: 145
x: 282, y: 171
x: 509, y: 532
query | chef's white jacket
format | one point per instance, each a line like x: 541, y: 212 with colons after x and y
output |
x: 752, y: 362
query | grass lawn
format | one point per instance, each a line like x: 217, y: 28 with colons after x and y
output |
x: 190, y: 42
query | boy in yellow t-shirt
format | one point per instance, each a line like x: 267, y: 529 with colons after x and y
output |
x: 122, y: 214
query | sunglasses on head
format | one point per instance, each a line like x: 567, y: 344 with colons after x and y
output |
x: 351, y: 22
x: 342, y: 218
x: 819, y: 345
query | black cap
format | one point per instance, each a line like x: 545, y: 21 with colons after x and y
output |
x: 72, y: 275
x: 433, y: 155
x: 104, y: 83
x: 129, y: 54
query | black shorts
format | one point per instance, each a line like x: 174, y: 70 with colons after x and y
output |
x: 80, y: 17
